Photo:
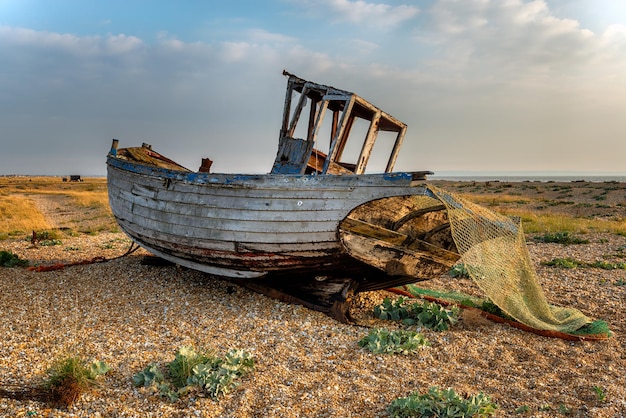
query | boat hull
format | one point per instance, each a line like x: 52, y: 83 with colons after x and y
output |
x: 245, y: 226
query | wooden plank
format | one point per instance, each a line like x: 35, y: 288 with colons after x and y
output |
x: 141, y: 190
x: 415, y: 214
x: 333, y: 149
x: 261, y: 234
x: 400, y: 242
x: 305, y: 198
x: 285, y: 225
x: 396, y: 260
x: 368, y: 145
x: 370, y: 230
x: 297, y: 111
x: 292, y: 156
x: 300, y: 249
x: 232, y: 183
x: 396, y: 150
x: 332, y: 296
x: 185, y: 252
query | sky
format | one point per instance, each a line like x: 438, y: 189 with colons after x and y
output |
x: 485, y: 86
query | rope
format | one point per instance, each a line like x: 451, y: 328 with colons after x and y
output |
x: 133, y: 247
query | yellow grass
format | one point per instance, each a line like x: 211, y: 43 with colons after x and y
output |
x: 96, y: 199
x: 542, y: 222
x: 50, y: 185
x: 18, y: 214
x: 494, y: 200
x: 538, y: 222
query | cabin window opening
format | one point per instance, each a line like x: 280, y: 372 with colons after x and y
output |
x: 383, y: 148
x: 324, y: 133
x: 352, y: 148
x: 300, y: 130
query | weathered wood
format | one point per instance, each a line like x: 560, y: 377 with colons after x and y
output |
x: 367, y: 229
x: 368, y: 145
x: 287, y: 222
x: 415, y: 214
x: 292, y: 155
x: 418, y: 260
x: 346, y: 107
x: 400, y: 241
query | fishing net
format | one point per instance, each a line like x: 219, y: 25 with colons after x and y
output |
x: 493, y: 250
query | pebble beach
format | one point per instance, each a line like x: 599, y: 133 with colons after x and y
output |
x: 129, y: 315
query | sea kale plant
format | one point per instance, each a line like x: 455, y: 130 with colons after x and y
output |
x: 570, y: 263
x: 441, y: 403
x: 8, y: 259
x: 563, y: 238
x: 459, y: 271
x: 382, y: 341
x: 191, y: 371
x: 423, y: 314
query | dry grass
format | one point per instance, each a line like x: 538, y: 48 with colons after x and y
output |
x: 499, y: 200
x: 50, y: 185
x: 542, y: 207
x: 32, y: 203
x: 552, y: 207
x: 19, y: 214
x: 537, y: 222
x: 90, y: 199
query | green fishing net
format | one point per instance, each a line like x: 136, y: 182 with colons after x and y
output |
x: 493, y: 249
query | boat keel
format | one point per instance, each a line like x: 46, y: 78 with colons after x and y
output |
x: 329, y: 295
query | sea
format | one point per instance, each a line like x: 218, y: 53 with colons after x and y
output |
x: 544, y: 178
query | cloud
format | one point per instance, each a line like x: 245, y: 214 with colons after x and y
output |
x: 86, y: 45
x: 263, y: 36
x: 489, y: 84
x: 510, y: 37
x: 613, y: 39
x: 359, y: 12
x: 360, y: 46
x: 121, y: 44
x: 69, y: 94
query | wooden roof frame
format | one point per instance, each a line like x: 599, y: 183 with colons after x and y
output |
x: 346, y: 107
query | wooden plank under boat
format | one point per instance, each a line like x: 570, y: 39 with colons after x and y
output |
x: 315, y: 230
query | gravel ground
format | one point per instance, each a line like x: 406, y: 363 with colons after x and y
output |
x: 307, y: 365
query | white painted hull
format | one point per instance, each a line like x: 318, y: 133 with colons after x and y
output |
x: 243, y: 226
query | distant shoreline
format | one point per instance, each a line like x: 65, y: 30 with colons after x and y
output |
x: 539, y: 179
x: 581, y: 178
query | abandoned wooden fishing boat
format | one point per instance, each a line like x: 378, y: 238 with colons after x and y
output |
x: 315, y: 230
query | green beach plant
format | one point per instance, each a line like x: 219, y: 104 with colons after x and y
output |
x: 442, y: 403
x: 459, y: 271
x: 8, y: 259
x: 71, y: 376
x: 422, y: 314
x: 383, y: 341
x: 149, y: 376
x: 522, y: 409
x: 193, y: 371
x: 570, y: 263
x: 563, y: 238
x: 600, y: 393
